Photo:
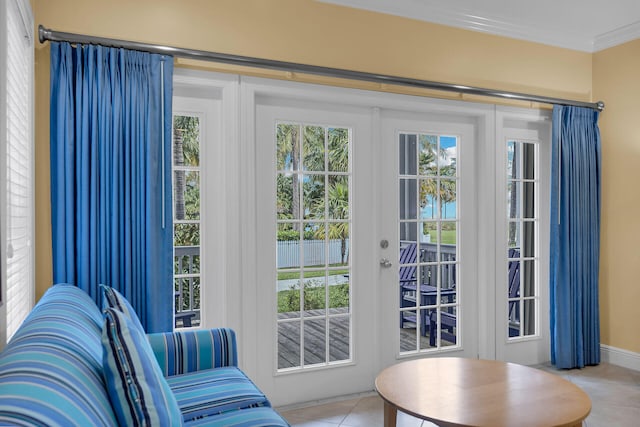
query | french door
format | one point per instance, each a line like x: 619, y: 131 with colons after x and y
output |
x: 316, y: 303
x: 428, y: 216
x: 385, y: 228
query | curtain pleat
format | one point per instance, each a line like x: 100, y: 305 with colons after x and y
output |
x: 107, y: 179
x: 575, y: 237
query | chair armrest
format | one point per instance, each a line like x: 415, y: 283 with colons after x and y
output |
x: 189, y: 351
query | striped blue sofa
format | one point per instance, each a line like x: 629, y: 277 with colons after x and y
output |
x: 51, y: 372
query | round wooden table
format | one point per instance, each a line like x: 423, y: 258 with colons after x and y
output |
x: 453, y: 391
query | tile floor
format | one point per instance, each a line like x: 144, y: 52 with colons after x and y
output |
x: 614, y: 393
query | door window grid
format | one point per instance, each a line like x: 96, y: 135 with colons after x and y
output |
x: 523, y: 224
x: 186, y: 219
x: 313, y: 223
x: 429, y: 222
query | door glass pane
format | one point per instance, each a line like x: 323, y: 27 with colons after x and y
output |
x: 523, y: 262
x: 313, y: 223
x: 428, y: 257
x: 288, y: 344
x: 338, y: 149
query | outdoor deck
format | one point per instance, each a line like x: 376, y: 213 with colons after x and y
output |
x: 314, y: 334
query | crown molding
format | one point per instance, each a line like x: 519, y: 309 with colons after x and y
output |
x: 617, y: 37
x: 460, y: 18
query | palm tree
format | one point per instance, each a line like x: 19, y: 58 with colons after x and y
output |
x: 335, y: 206
x: 428, y: 166
x: 288, y: 158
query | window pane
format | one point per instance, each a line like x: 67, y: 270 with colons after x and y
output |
x: 429, y: 236
x: 186, y: 141
x: 313, y: 196
x: 338, y: 149
x: 528, y: 200
x: 528, y: 161
x: 288, y: 344
x: 287, y: 196
x: 429, y: 198
x: 313, y: 143
x: 288, y: 245
x: 187, y: 263
x: 186, y: 234
x: 448, y: 195
x: 339, y: 331
x: 289, y: 294
x: 428, y: 155
x: 314, y: 341
x: 528, y: 239
x: 314, y: 245
x: 315, y: 294
x: 338, y: 197
x: 448, y: 156
x: 529, y: 317
x: 288, y: 147
x: 192, y: 195
x: 408, y: 203
x: 407, y: 154
x: 529, y: 278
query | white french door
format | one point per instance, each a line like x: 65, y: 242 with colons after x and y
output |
x: 428, y: 216
x: 316, y: 293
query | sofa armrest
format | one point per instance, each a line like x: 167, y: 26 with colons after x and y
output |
x: 189, y: 351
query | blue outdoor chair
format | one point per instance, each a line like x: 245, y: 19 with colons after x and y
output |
x: 409, y: 289
x: 449, y: 320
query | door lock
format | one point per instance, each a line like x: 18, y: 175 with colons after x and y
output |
x: 384, y: 262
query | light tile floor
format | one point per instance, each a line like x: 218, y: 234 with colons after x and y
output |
x: 614, y: 393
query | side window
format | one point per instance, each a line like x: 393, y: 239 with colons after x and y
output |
x: 186, y: 218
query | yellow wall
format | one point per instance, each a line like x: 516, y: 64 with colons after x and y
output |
x: 616, y: 79
x: 321, y: 34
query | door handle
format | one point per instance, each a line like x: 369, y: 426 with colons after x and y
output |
x: 384, y: 262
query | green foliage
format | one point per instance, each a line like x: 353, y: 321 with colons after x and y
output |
x: 288, y: 235
x: 314, y: 297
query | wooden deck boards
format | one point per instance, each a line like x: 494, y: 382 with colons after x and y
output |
x: 315, y: 350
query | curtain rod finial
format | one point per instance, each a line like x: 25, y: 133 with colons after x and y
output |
x: 42, y: 33
x: 600, y: 105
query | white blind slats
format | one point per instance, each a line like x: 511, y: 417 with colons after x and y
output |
x: 19, y: 204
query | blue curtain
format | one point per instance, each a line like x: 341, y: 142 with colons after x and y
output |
x: 575, y: 237
x: 111, y: 175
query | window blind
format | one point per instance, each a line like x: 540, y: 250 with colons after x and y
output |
x: 18, y: 232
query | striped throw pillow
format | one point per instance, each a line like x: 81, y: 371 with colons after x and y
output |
x: 138, y: 391
x: 111, y: 298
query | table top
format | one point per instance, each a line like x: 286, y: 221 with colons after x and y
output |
x: 470, y: 392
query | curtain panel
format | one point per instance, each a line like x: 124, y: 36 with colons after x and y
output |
x: 111, y: 175
x: 575, y: 237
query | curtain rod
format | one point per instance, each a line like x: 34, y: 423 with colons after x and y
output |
x: 45, y: 34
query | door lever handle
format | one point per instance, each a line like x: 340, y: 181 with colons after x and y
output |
x: 384, y: 262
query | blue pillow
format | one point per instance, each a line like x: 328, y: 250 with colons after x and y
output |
x: 114, y: 299
x: 138, y: 391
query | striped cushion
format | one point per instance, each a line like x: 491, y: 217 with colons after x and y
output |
x: 139, y: 393
x: 51, y: 370
x: 189, y: 351
x: 111, y: 298
x: 214, y: 391
x: 254, y: 417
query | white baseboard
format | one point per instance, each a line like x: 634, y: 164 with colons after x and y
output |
x: 620, y: 357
